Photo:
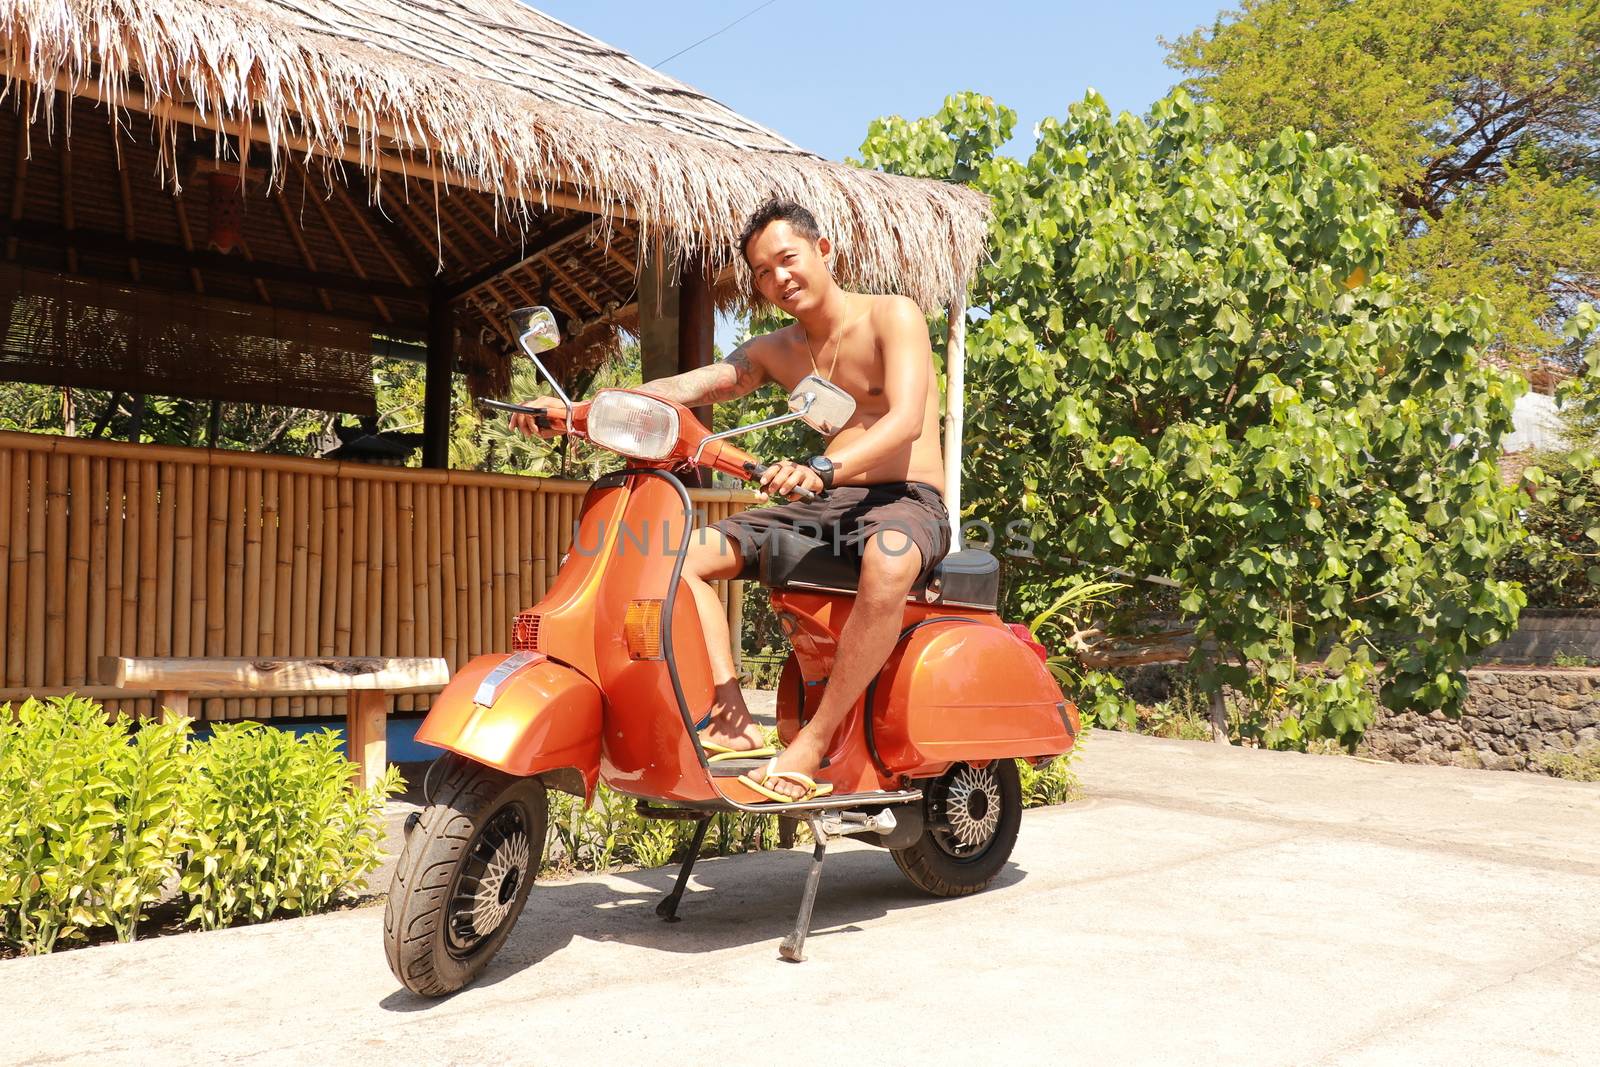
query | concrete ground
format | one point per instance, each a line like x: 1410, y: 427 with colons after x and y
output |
x: 1202, y: 905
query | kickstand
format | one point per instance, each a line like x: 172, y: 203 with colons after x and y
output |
x: 794, y: 946
x: 668, y: 908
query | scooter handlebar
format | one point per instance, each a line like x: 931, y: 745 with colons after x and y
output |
x: 756, y: 469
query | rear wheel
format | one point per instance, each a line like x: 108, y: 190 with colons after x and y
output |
x: 463, y: 876
x: 971, y: 816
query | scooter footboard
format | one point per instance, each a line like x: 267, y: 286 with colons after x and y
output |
x: 523, y: 713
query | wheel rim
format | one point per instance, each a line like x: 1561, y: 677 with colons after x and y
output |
x: 493, y: 873
x: 966, y: 806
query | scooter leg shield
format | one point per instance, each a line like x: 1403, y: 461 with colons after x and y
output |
x: 524, y: 714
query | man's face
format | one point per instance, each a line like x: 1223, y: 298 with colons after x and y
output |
x: 789, y: 270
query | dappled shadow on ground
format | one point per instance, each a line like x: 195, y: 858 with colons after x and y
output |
x: 732, y: 902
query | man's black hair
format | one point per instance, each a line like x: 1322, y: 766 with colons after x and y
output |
x: 775, y: 210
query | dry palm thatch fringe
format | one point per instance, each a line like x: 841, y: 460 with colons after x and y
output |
x: 332, y: 79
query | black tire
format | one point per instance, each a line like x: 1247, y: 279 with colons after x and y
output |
x: 971, y: 818
x: 485, y: 829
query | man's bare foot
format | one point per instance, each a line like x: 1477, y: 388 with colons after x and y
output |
x: 731, y: 725
x: 803, y: 754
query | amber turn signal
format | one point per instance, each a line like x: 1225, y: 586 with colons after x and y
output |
x: 641, y: 628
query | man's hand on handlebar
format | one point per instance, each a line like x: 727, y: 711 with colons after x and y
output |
x: 527, y: 425
x: 786, y: 476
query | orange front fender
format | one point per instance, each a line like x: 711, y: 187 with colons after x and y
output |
x: 523, y: 713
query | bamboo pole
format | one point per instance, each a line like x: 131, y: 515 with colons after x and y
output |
x: 16, y: 606
x: 217, y: 572
x: 541, y: 527
x: 35, y: 624
x: 432, y: 621
x: 54, y: 551
x: 149, y: 552
x: 5, y: 556
x: 305, y: 601
x: 253, y: 617
x: 322, y: 549
x: 475, y: 569
x: 202, y: 531
x: 511, y: 505
x: 183, y: 554
x: 405, y: 531
x: 347, y: 571
x: 80, y: 497
x: 116, y: 534
x: 167, y: 558
x: 232, y: 613
x: 283, y: 568
x: 392, y: 534
x: 494, y: 555
x: 358, y: 572
x: 450, y: 618
x: 525, y: 505
x: 378, y: 517
x: 459, y: 589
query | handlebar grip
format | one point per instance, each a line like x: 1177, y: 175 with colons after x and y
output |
x: 756, y: 470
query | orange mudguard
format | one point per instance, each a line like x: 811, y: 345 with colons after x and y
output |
x: 523, y: 713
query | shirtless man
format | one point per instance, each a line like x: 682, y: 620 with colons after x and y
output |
x: 882, y: 474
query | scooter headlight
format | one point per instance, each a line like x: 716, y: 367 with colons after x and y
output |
x: 638, y: 426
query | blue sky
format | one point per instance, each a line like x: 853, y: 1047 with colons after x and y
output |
x: 818, y: 72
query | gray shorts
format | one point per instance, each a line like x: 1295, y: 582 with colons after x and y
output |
x: 847, y: 517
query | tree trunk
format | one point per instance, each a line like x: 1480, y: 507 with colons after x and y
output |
x: 1219, y: 717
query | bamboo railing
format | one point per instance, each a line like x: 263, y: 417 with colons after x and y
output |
x: 110, y: 549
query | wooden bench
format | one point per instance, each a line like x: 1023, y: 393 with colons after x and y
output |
x: 369, y: 682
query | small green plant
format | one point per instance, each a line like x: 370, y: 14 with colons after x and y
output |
x: 1066, y: 619
x: 277, y: 824
x: 1565, y: 658
x: 1580, y: 765
x: 1176, y: 719
x: 1051, y: 783
x: 58, y: 820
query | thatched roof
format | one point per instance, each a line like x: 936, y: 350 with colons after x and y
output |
x: 494, y: 96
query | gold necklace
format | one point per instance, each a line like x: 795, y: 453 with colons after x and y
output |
x: 838, y: 339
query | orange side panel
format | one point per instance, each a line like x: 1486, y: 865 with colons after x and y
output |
x: 546, y: 717
x: 958, y: 691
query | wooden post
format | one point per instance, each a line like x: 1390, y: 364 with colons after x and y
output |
x: 697, y: 324
x: 172, y: 704
x: 437, y: 388
x: 658, y: 314
x: 955, y: 362
x: 366, y: 725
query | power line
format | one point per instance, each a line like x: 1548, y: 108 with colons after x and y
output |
x: 718, y: 33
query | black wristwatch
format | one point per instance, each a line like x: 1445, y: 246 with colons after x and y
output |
x: 823, y: 466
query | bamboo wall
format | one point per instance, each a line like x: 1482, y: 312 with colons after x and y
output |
x: 118, y: 549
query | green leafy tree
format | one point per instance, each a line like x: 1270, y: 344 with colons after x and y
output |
x: 1190, y: 363
x: 1560, y: 562
x: 1481, y: 117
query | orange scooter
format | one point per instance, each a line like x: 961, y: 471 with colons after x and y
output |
x: 609, y: 672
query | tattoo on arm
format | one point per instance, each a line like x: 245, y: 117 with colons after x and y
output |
x: 732, y: 377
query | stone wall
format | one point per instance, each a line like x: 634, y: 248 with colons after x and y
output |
x: 1543, y: 635
x: 1511, y: 718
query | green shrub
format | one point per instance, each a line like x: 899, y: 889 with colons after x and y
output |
x: 1582, y: 765
x: 277, y: 824
x: 58, y: 820
x: 1052, y: 783
x: 98, y: 816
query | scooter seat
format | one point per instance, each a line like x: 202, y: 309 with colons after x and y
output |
x: 790, y: 560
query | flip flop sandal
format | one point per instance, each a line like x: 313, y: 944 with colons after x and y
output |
x: 814, y: 790
x: 715, y: 752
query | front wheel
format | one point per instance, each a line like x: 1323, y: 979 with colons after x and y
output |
x: 463, y: 876
x: 970, y: 817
